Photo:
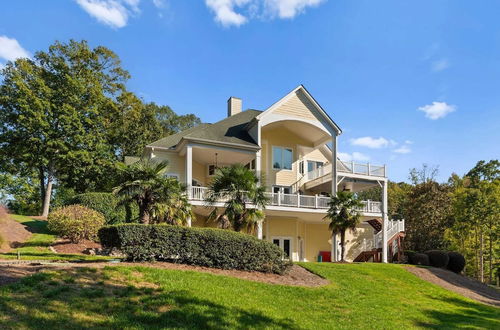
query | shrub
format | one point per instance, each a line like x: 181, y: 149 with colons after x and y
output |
x: 108, y: 205
x: 75, y: 222
x: 207, y: 247
x: 438, y: 258
x: 456, y: 262
x: 419, y: 259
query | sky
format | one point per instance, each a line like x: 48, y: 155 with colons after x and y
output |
x: 409, y: 82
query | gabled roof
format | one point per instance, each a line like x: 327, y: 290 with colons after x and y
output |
x: 230, y: 130
x: 328, y: 120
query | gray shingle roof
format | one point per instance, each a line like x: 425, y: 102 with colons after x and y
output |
x: 229, y: 130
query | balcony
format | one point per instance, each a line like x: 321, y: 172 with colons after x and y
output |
x: 349, y: 167
x: 295, y: 201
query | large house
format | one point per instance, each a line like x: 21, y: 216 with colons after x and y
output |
x: 293, y: 145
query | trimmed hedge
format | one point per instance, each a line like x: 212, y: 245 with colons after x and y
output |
x: 419, y: 259
x: 107, y: 204
x: 438, y: 258
x: 456, y: 262
x: 209, y: 247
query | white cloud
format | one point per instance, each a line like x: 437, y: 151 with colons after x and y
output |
x: 370, y: 142
x: 440, y: 65
x: 437, y: 110
x: 408, y: 142
x: 290, y: 8
x: 10, y: 49
x: 159, y: 3
x: 238, y: 12
x: 114, y: 13
x: 224, y: 11
x: 404, y: 149
x: 354, y: 156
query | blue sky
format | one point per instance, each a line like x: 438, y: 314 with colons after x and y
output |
x: 409, y: 82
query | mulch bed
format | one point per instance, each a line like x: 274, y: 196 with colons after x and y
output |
x: 65, y: 246
x: 297, y: 276
x: 460, y: 284
x: 12, y: 232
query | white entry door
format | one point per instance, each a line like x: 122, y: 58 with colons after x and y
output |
x: 285, y: 243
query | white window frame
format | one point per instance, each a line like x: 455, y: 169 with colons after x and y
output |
x: 281, y: 244
x: 173, y: 175
x: 281, y: 162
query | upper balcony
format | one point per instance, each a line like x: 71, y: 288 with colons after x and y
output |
x: 322, y: 176
x: 294, y: 201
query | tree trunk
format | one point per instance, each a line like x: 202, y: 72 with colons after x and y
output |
x: 481, y: 255
x: 143, y: 215
x: 41, y: 177
x: 48, y: 193
x: 342, y: 245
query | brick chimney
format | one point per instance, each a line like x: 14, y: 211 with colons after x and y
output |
x: 233, y: 106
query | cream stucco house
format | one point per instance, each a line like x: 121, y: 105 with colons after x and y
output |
x: 293, y: 144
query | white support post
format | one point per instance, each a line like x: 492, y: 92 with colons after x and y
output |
x: 298, y: 199
x: 259, y: 229
x: 189, y: 170
x: 258, y: 165
x: 385, y: 221
x: 334, y: 165
x: 316, y: 201
x: 188, y: 224
x: 334, y: 191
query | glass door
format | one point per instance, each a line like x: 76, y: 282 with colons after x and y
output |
x: 285, y: 244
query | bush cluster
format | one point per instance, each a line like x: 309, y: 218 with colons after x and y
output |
x: 438, y: 258
x: 207, y: 247
x: 75, y: 222
x: 453, y: 261
x: 108, y: 205
x: 456, y: 262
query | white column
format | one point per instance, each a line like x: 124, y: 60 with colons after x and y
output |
x: 385, y: 221
x: 258, y: 165
x: 189, y: 169
x: 259, y: 229
x: 188, y: 224
x: 334, y: 247
x: 334, y: 165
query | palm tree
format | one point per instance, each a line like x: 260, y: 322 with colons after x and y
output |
x: 160, y: 199
x: 238, y: 187
x: 343, y: 215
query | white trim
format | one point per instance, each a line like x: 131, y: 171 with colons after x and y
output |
x: 281, y: 239
x: 321, y: 111
x: 173, y: 175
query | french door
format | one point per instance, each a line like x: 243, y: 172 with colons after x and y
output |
x: 284, y: 243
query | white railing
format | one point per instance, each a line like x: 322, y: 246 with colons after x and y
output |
x: 359, y: 168
x: 393, y: 227
x: 348, y: 167
x: 294, y: 200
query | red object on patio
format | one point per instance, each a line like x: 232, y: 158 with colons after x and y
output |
x: 326, y: 255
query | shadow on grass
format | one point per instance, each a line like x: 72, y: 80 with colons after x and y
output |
x: 87, y: 298
x: 37, y: 226
x: 465, y: 314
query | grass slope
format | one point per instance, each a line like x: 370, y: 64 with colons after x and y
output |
x: 360, y: 296
x: 37, y: 247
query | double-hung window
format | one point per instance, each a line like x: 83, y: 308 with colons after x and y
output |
x: 282, y: 158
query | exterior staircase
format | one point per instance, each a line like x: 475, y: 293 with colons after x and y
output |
x: 371, y: 249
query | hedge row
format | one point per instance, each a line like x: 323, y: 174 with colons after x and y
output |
x: 207, y: 247
x: 453, y: 261
x: 108, y: 205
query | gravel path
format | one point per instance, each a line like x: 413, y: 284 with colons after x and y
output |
x: 460, y: 284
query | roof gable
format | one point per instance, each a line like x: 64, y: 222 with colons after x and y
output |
x: 299, y: 103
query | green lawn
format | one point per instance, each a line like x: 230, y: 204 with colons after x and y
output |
x: 360, y: 296
x: 37, y: 247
